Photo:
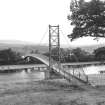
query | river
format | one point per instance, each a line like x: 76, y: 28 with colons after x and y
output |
x: 24, y: 77
x: 21, y: 76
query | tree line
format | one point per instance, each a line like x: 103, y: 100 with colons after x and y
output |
x: 78, y: 55
x: 8, y: 56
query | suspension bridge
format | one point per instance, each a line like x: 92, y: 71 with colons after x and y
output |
x: 51, y: 65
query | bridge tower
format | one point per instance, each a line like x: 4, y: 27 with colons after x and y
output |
x: 54, y: 42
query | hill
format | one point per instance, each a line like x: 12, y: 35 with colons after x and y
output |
x: 22, y: 47
x: 26, y: 47
x: 92, y: 47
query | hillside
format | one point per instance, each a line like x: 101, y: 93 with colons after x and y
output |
x: 92, y: 47
x: 22, y: 47
x: 25, y: 47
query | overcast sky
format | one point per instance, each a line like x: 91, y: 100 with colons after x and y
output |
x: 28, y: 20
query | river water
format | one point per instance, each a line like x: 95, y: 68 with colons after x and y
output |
x: 21, y: 76
x: 24, y: 77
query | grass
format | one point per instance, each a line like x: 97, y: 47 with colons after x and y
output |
x: 50, y: 92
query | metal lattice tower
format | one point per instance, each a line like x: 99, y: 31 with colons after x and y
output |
x: 54, y: 42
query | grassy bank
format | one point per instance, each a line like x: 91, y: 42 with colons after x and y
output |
x: 50, y: 92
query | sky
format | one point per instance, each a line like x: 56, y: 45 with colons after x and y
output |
x: 28, y: 20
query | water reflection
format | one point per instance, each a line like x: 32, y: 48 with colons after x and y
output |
x: 21, y: 77
x: 94, y: 69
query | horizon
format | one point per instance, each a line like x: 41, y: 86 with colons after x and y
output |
x: 19, y: 42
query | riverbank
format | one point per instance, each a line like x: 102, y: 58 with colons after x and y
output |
x: 50, y: 92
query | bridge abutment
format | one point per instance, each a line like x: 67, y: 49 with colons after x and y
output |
x: 50, y: 74
x: 47, y: 74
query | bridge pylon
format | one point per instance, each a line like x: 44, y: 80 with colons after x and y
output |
x: 54, y: 42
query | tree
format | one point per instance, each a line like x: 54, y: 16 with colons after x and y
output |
x: 99, y: 53
x: 88, y: 18
x: 78, y: 54
x: 8, y: 56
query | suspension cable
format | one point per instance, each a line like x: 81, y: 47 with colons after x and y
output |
x: 43, y: 36
x: 65, y: 38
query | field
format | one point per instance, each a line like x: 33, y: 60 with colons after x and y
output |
x: 50, y: 92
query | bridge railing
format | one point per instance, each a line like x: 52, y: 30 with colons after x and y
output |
x: 78, y: 73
